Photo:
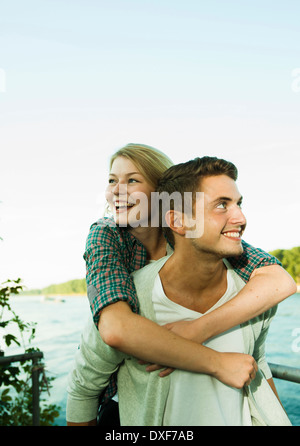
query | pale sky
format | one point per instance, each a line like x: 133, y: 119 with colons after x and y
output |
x: 79, y: 79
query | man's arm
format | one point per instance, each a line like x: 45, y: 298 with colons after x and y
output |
x: 259, y: 351
x: 87, y: 423
x: 95, y: 362
x: 272, y: 385
x: 133, y: 334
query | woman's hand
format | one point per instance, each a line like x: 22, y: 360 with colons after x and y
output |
x: 153, y: 367
x: 188, y: 330
x: 234, y: 369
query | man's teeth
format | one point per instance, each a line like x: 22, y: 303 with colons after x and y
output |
x: 232, y: 234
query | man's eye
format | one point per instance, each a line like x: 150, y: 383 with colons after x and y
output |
x: 111, y: 181
x: 222, y: 205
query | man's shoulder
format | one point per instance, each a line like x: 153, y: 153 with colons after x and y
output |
x: 233, y: 274
x: 150, y: 270
x: 144, y: 280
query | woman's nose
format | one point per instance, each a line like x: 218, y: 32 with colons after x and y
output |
x: 120, y: 189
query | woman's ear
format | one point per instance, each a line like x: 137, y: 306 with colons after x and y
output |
x: 174, y: 220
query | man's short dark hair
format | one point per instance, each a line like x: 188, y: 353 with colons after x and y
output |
x: 186, y: 177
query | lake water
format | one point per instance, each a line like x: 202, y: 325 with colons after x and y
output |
x: 60, y: 324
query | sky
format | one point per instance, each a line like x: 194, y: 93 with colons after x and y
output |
x: 80, y: 79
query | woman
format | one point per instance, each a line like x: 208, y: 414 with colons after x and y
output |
x: 116, y: 247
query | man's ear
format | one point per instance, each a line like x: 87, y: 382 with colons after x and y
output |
x: 174, y: 220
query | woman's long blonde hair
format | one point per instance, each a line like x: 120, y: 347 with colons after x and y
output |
x: 152, y: 163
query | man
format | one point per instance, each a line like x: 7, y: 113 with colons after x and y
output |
x: 166, y: 294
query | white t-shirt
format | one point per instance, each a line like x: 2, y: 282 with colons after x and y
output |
x: 197, y: 399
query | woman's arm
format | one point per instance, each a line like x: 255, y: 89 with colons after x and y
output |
x: 110, y: 257
x: 135, y: 335
x: 95, y: 361
x: 130, y: 333
x: 267, y: 284
x: 267, y: 287
x: 111, y: 290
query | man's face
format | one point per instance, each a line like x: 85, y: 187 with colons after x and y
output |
x: 224, y: 221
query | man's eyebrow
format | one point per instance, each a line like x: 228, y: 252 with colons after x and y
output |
x: 217, y: 200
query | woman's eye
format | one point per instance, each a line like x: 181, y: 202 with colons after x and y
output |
x: 114, y: 180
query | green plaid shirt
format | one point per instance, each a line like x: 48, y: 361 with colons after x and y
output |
x: 112, y: 254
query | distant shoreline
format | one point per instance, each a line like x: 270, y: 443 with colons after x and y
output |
x: 49, y: 296
x: 56, y: 295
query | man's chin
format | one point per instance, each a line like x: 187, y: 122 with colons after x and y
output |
x: 238, y: 251
x: 233, y: 251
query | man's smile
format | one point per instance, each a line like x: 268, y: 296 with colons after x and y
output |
x: 233, y: 234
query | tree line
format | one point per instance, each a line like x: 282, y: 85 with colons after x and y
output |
x: 76, y: 286
x: 290, y: 259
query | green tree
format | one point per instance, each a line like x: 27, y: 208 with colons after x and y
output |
x: 15, y: 381
x: 76, y: 286
x: 290, y: 259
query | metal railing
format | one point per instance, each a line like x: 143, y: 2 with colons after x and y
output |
x: 34, y: 357
x: 278, y: 371
x: 286, y: 373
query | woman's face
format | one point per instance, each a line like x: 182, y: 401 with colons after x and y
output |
x: 128, y: 194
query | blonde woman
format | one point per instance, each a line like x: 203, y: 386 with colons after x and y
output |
x: 117, y: 246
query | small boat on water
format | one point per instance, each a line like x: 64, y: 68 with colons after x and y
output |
x: 52, y: 299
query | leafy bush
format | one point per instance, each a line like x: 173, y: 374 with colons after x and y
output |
x: 15, y: 380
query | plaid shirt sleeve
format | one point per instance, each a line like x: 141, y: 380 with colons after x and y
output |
x: 251, y: 259
x: 107, y: 270
x: 110, y: 259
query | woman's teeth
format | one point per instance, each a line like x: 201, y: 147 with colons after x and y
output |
x: 123, y: 205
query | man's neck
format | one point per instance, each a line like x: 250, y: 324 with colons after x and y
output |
x: 193, y: 280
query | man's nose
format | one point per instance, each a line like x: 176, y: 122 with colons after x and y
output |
x: 237, y: 216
